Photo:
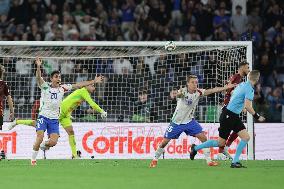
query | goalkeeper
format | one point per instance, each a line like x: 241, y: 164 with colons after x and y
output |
x: 70, y: 103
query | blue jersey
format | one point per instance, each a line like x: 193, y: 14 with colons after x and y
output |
x: 243, y: 91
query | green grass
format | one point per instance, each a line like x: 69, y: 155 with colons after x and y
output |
x: 135, y: 174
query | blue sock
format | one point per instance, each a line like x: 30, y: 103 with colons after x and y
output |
x: 239, y: 150
x: 207, y: 144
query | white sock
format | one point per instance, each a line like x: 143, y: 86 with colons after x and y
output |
x: 158, y: 153
x: 34, y: 154
x: 43, y: 146
x: 206, y: 152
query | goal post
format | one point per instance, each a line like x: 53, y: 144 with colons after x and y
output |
x: 141, y: 77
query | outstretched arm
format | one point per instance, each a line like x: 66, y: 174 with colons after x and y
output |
x: 87, y: 97
x: 218, y: 89
x: 94, y: 105
x: 98, y: 79
x: 39, y: 79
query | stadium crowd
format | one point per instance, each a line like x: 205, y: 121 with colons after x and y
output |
x: 261, y: 21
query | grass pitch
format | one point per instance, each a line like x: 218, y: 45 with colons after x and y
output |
x: 135, y: 174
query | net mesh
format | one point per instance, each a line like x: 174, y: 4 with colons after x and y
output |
x: 140, y: 82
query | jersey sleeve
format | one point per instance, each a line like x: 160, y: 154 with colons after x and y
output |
x: 90, y: 101
x: 44, y: 86
x: 235, y: 79
x: 201, y: 92
x: 6, y: 90
x: 249, y: 94
x: 183, y: 90
x: 66, y: 87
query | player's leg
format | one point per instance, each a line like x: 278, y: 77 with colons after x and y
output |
x: 26, y: 122
x: 226, y: 124
x: 233, y: 136
x: 243, y: 134
x: 39, y: 139
x: 41, y: 126
x: 160, y: 150
x: 52, y: 141
x: 53, y: 133
x: 173, y: 132
x: 195, y: 129
x: 202, y: 137
x: 72, y: 141
x: 66, y: 123
x: 224, y: 132
x: 223, y: 151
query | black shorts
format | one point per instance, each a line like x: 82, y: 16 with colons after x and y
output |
x: 1, y: 122
x: 229, y: 121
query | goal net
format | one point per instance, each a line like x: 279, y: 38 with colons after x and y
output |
x: 141, y: 78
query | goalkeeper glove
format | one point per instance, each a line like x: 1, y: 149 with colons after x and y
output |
x: 104, y: 115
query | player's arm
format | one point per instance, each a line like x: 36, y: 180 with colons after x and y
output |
x: 248, y: 105
x: 11, y: 106
x: 180, y: 93
x: 218, y: 89
x: 39, y: 79
x: 10, y: 101
x: 94, y: 105
x: 98, y: 79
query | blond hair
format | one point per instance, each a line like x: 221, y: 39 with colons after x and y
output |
x: 254, y: 75
x: 191, y: 77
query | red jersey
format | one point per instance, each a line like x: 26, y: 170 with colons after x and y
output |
x: 4, y: 91
x: 35, y: 109
x: 236, y: 78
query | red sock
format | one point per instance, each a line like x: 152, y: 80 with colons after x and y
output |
x: 231, y: 138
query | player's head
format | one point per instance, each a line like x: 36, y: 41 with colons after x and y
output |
x: 244, y: 68
x: 192, y: 82
x: 55, y: 78
x: 173, y: 93
x: 143, y: 96
x: 254, y: 76
x: 91, y: 88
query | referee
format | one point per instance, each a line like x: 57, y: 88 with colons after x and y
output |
x: 230, y: 120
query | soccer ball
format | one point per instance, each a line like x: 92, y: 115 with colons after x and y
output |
x: 170, y: 46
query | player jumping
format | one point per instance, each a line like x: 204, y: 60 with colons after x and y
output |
x: 51, y: 97
x: 70, y: 103
x: 242, y: 97
x: 183, y: 117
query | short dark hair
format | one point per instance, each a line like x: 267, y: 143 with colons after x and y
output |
x: 54, y: 72
x: 144, y: 92
x: 174, y: 89
x: 191, y: 77
x: 239, y: 7
x: 243, y: 63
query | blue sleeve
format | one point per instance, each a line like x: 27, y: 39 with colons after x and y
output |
x: 249, y: 94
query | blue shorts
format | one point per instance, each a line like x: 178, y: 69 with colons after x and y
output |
x: 174, y: 130
x: 44, y: 123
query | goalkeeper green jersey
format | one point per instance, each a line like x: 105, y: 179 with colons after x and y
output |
x: 72, y: 101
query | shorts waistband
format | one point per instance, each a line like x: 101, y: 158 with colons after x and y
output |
x: 230, y: 112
